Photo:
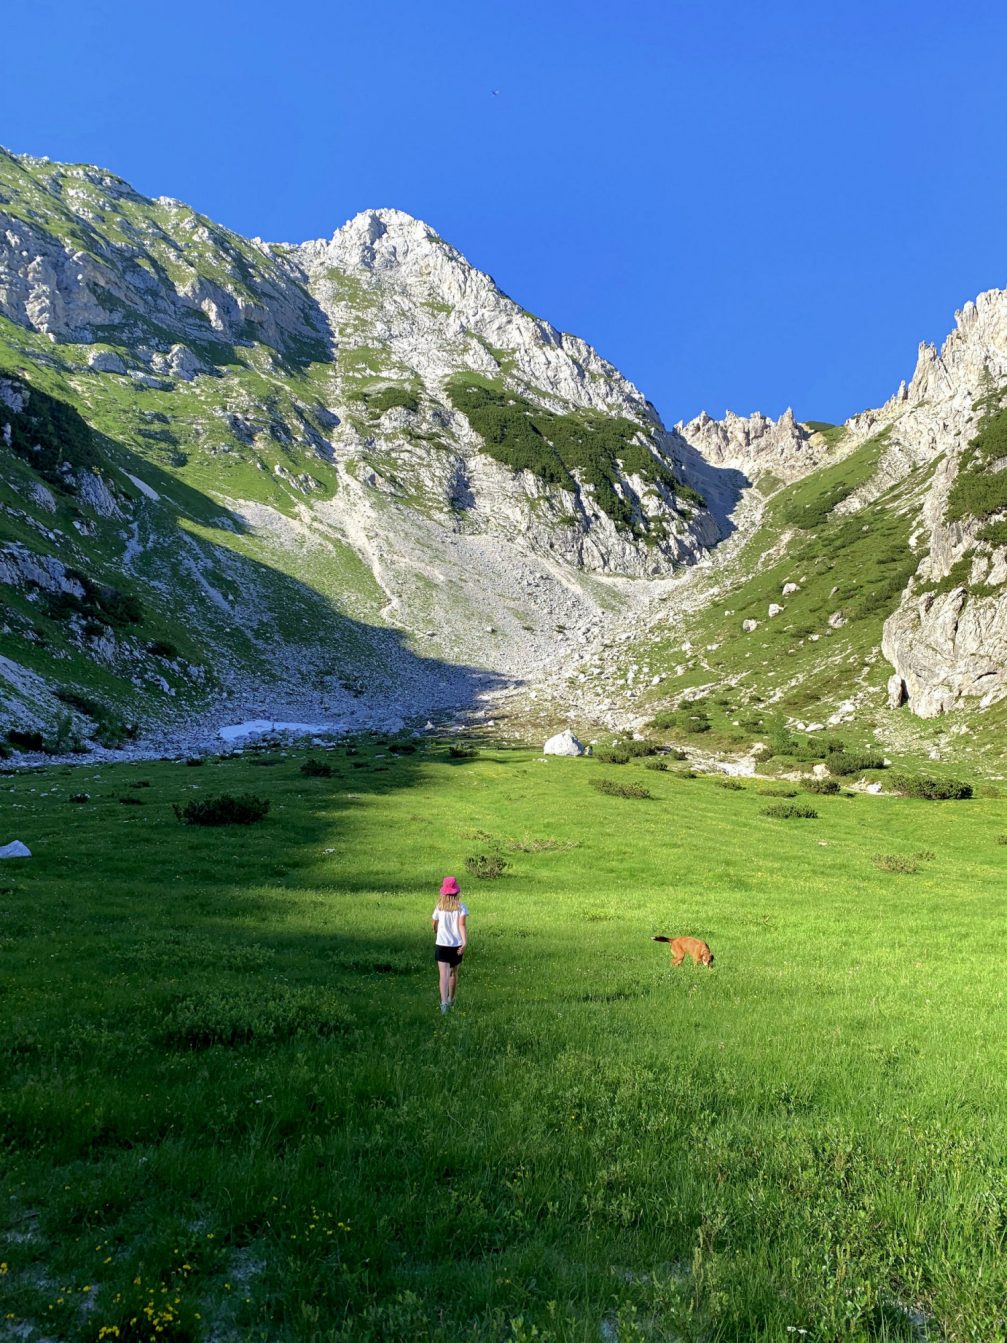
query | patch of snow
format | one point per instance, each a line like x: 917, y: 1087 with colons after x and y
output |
x: 143, y: 487
x: 256, y: 727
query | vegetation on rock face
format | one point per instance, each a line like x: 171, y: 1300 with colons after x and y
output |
x: 47, y: 433
x: 599, y: 448
x: 980, y: 487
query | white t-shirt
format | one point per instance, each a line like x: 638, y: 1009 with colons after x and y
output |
x: 449, y: 934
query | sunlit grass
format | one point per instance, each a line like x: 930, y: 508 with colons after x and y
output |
x: 222, y: 1049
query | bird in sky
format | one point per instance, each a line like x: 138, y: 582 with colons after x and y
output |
x: 495, y: 93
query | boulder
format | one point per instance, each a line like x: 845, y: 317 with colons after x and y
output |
x: 788, y: 588
x: 749, y: 625
x: 837, y: 620
x: 564, y: 743
x: 896, y: 691
x: 775, y: 609
x: 15, y: 849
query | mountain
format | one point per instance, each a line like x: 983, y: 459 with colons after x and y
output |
x: 347, y: 477
x: 351, y: 481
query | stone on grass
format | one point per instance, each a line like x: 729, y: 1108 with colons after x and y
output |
x: 15, y: 849
x: 775, y: 609
x: 749, y: 625
x: 564, y: 743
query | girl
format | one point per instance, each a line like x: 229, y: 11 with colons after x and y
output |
x: 450, y: 939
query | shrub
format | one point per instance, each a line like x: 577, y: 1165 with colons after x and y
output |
x: 195, y: 760
x: 161, y: 648
x: 777, y: 792
x: 486, y: 866
x: 82, y: 703
x: 316, y: 769
x: 461, y: 752
x: 611, y: 755
x: 895, y: 862
x: 113, y: 732
x: 1001, y: 839
x: 26, y: 740
x: 227, y: 809
x: 131, y: 801
x: 828, y: 787
x: 80, y: 797
x: 845, y: 763
x: 933, y: 790
x: 655, y: 764
x: 731, y: 784
x: 790, y: 811
x: 612, y: 789
x: 140, y: 783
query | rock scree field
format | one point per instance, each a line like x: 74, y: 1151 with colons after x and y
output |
x: 232, y: 1110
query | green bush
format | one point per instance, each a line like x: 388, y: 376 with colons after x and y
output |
x: 599, y: 447
x: 655, y: 764
x: 459, y: 752
x: 732, y: 785
x: 790, y: 811
x: 933, y: 790
x: 979, y: 491
x: 611, y: 755
x: 828, y: 787
x: 161, y: 648
x: 227, y: 809
x: 612, y: 789
x: 316, y: 769
x: 26, y: 739
x: 844, y: 763
x: 486, y: 866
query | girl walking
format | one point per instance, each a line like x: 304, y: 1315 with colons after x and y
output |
x: 450, y: 939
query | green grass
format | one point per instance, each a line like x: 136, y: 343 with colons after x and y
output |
x: 224, y: 1073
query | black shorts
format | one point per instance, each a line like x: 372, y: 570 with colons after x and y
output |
x: 452, y: 955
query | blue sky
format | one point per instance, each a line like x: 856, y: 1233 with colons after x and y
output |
x: 741, y: 205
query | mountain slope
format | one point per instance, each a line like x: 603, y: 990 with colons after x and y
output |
x: 288, y: 452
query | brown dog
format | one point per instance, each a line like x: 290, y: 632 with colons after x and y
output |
x: 680, y: 947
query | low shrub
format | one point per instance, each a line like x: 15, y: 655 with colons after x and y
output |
x: 461, y: 752
x: 1001, y: 839
x: 227, y: 809
x: 895, y: 862
x: 195, y: 760
x: 26, y: 740
x: 113, y: 732
x: 827, y: 787
x: 316, y: 769
x: 611, y: 755
x: 656, y: 764
x: 933, y: 790
x: 80, y: 797
x: 140, y: 783
x: 790, y: 811
x: 161, y: 648
x: 771, y: 791
x: 845, y: 763
x: 128, y: 801
x: 731, y: 784
x: 486, y: 866
x: 612, y: 789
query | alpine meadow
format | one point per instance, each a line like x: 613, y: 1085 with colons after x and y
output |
x: 327, y: 569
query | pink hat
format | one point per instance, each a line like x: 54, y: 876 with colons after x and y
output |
x: 449, y: 886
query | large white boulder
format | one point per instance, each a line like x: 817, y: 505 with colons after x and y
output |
x: 564, y: 743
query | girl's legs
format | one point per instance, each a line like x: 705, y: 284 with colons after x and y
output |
x: 452, y: 983
x: 444, y: 973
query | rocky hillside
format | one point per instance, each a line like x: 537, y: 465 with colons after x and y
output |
x: 348, y: 477
x: 350, y: 481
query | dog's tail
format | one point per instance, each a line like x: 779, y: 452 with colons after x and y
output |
x: 660, y: 939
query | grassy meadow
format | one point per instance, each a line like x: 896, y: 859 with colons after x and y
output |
x: 231, y: 1110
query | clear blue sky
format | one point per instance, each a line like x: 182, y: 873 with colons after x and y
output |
x: 741, y: 205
